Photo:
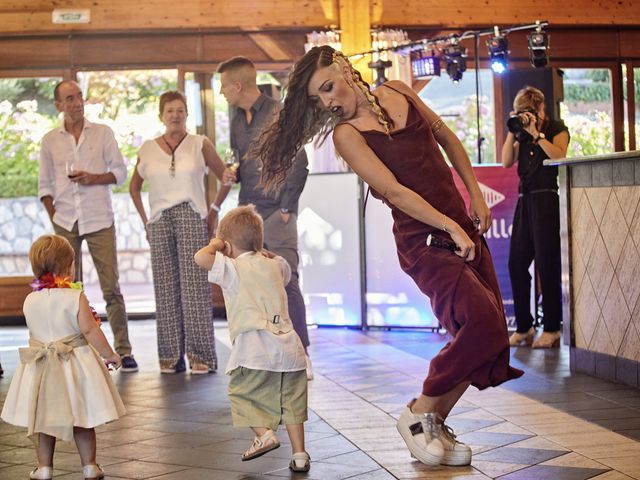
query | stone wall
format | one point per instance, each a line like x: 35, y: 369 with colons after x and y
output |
x: 22, y: 220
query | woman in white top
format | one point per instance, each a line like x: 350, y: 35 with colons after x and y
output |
x: 175, y: 165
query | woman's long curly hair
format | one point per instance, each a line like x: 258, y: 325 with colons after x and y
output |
x: 301, y: 119
x: 298, y: 122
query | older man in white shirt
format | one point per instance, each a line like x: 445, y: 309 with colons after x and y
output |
x: 78, y: 162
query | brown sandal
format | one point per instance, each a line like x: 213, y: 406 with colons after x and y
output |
x: 547, y: 340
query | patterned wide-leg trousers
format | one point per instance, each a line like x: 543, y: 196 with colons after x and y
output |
x: 182, y: 291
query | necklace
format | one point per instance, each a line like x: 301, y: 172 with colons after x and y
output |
x: 172, y: 168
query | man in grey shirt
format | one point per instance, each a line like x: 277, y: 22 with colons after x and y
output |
x: 280, y: 211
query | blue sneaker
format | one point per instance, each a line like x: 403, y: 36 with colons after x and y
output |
x: 129, y: 364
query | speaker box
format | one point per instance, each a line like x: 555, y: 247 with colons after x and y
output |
x: 549, y: 80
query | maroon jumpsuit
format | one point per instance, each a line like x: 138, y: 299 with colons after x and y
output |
x: 465, y: 296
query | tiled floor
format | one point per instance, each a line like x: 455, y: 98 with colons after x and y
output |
x: 548, y: 425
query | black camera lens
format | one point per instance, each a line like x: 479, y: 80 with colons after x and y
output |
x: 515, y: 124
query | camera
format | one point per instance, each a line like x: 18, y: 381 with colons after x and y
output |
x: 516, y: 123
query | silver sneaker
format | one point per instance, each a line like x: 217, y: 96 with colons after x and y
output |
x: 456, y: 454
x: 422, y: 434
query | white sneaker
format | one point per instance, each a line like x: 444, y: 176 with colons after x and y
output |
x: 422, y: 434
x: 41, y: 473
x: 456, y: 454
x: 93, y: 472
x: 309, y: 368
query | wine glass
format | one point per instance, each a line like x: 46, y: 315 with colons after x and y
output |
x: 70, y: 168
x: 231, y: 161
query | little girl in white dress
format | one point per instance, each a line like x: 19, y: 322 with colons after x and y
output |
x: 62, y: 388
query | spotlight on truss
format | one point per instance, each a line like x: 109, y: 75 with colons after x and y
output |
x: 498, y: 51
x: 538, y: 47
x: 455, y: 57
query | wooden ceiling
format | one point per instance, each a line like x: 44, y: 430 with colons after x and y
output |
x: 151, y: 33
x: 34, y: 16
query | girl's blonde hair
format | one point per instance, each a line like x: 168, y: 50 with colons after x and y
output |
x: 243, y: 227
x: 51, y: 254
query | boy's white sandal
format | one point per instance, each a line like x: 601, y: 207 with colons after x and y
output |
x: 93, y: 472
x: 261, y: 445
x: 300, y: 462
x: 41, y: 473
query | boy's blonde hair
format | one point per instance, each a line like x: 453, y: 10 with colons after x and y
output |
x: 528, y: 98
x: 243, y: 227
x: 51, y: 254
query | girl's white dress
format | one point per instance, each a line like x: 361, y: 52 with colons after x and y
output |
x: 52, y: 314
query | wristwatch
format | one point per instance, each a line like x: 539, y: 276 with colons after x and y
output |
x: 541, y: 136
x: 284, y: 210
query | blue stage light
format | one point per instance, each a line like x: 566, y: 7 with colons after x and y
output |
x: 498, y: 52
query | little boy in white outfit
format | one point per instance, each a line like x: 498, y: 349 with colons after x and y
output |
x: 268, y: 385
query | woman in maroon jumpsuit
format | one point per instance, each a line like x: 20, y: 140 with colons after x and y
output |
x: 390, y: 139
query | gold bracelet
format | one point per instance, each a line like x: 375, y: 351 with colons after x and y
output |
x: 444, y: 223
x: 437, y: 125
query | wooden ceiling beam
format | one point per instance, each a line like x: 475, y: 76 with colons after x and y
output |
x: 270, y: 46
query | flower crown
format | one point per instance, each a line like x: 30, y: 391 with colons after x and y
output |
x: 50, y: 280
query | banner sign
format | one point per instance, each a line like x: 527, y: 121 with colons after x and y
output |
x: 499, y: 187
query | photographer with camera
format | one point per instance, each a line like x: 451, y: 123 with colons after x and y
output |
x: 534, y: 137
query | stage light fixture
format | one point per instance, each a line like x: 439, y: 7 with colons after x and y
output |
x: 380, y: 66
x: 538, y: 46
x: 424, y: 64
x: 498, y: 51
x: 455, y: 57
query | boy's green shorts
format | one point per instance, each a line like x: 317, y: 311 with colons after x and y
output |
x: 261, y: 398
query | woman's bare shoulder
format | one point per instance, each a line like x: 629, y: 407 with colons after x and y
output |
x: 394, y: 87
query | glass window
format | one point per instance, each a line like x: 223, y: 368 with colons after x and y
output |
x: 27, y: 112
x: 587, y: 110
x: 625, y: 107
x: 194, y: 105
x: 222, y: 116
x: 456, y: 104
x: 127, y: 101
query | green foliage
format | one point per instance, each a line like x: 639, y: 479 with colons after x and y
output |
x: 16, y: 90
x: 590, y: 134
x: 128, y: 102
x: 465, y: 127
x: 127, y: 92
x: 594, y: 92
x: 598, y: 74
x: 21, y: 128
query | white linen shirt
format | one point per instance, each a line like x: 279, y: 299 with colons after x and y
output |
x: 96, y: 152
x: 258, y: 349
